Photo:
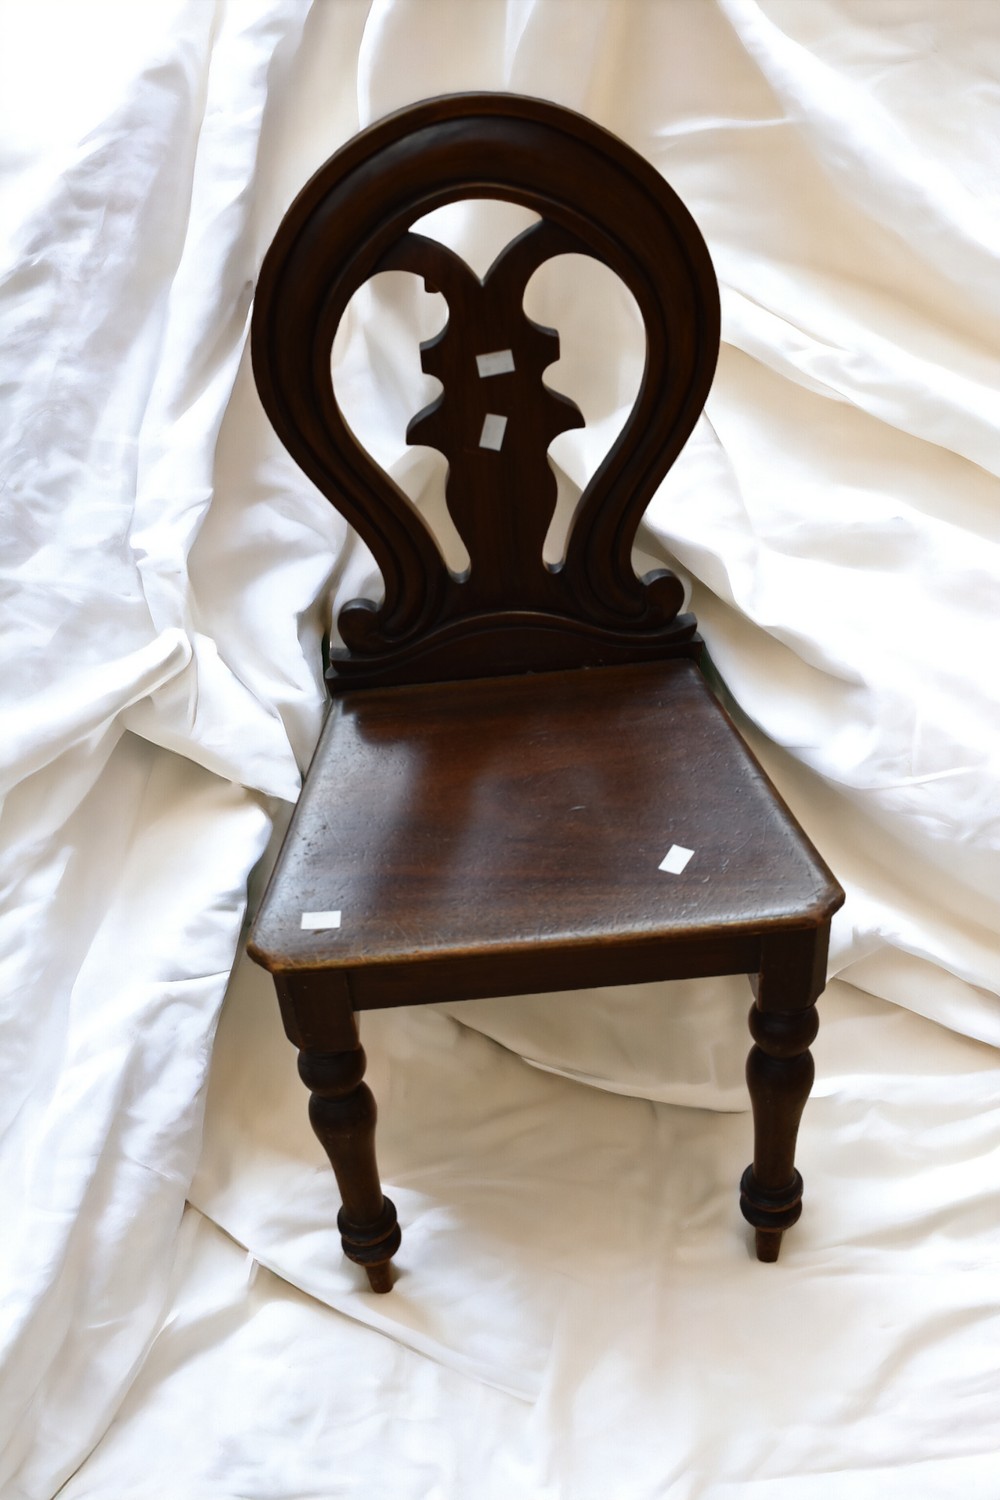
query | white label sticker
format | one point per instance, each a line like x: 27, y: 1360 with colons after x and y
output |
x: 320, y: 921
x: 493, y: 431
x: 676, y: 859
x: 500, y: 363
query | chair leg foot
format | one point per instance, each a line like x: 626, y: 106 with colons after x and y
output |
x: 372, y: 1245
x: 380, y: 1277
x: 770, y: 1212
x: 768, y: 1244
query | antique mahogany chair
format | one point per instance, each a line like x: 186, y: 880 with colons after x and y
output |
x: 524, y: 782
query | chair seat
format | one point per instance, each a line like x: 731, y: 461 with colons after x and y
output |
x: 502, y: 818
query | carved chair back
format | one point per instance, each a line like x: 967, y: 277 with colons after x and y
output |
x: 510, y: 610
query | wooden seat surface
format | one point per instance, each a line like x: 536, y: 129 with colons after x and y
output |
x: 509, y: 815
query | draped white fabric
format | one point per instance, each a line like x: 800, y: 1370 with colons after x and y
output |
x: 577, y: 1312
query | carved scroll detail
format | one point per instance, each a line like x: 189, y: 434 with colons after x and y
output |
x: 596, y: 197
x: 501, y: 497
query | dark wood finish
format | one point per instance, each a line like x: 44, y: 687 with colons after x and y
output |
x: 320, y: 1021
x: 487, y: 817
x: 511, y: 611
x: 783, y: 1024
x: 435, y: 816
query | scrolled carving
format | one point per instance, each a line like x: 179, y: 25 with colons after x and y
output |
x: 595, y: 197
x: 501, y: 497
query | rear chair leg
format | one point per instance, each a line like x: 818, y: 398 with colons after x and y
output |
x: 780, y: 1071
x: 342, y: 1112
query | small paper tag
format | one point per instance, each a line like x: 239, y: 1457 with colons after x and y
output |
x: 493, y: 431
x: 676, y: 859
x: 500, y: 363
x: 320, y: 921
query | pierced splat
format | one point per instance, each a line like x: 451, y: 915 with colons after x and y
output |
x: 496, y: 417
x: 511, y: 611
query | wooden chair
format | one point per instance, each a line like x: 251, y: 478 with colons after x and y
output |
x: 524, y: 783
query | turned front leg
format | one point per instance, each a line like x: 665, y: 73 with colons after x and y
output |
x: 780, y: 1072
x: 318, y: 1018
x: 343, y: 1114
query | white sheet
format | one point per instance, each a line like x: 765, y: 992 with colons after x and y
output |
x: 578, y: 1312
x: 576, y: 1295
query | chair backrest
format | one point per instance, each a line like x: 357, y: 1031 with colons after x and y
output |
x: 510, y: 610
